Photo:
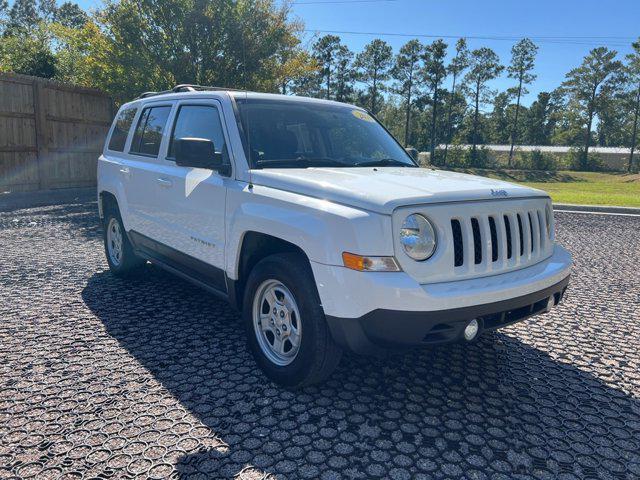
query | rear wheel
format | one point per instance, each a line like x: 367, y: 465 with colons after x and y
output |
x: 119, y: 252
x: 286, y: 328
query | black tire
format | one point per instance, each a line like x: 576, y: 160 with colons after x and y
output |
x: 318, y: 355
x: 129, y: 263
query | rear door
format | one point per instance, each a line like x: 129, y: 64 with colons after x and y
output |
x: 191, y: 201
x: 140, y: 168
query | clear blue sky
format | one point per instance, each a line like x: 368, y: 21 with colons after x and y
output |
x: 618, y: 20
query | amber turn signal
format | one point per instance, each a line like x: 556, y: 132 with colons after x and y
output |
x: 370, y: 264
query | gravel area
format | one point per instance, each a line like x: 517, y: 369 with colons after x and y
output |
x: 102, y: 377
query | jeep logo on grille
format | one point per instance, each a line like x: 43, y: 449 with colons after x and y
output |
x: 499, y: 193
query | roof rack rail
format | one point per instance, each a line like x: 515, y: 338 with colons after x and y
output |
x: 147, y: 94
x: 186, y: 87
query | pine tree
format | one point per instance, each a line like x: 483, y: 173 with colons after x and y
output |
x: 484, y: 66
x: 434, y: 73
x: 583, y: 85
x: 373, y: 65
x: 523, y: 55
x: 405, y: 71
x: 458, y: 65
x: 633, y: 72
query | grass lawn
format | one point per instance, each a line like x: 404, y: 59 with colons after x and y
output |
x: 583, y: 188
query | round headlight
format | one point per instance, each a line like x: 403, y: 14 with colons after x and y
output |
x: 418, y: 237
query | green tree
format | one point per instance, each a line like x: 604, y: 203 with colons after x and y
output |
x: 71, y: 15
x: 84, y: 57
x: 28, y: 53
x: 633, y: 73
x: 539, y: 120
x: 4, y: 12
x: 583, y: 85
x: 523, y: 56
x: 344, y: 75
x: 160, y: 43
x: 500, y: 118
x: 434, y: 72
x: 612, y: 112
x: 458, y: 65
x: 47, y: 10
x: 326, y: 51
x: 22, y: 17
x: 405, y: 71
x: 372, y: 65
x: 484, y: 66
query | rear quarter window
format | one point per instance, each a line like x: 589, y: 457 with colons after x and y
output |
x: 121, y: 129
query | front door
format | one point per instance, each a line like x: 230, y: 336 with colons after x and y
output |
x: 191, y: 202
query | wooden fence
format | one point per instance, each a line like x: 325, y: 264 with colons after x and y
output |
x: 51, y: 134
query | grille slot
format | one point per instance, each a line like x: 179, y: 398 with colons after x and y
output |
x: 507, y: 228
x: 494, y: 239
x: 530, y: 229
x: 543, y: 227
x: 477, y: 241
x: 521, y: 236
x: 458, y: 247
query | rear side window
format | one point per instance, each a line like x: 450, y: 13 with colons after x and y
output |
x: 198, y: 121
x: 121, y: 129
x: 148, y: 135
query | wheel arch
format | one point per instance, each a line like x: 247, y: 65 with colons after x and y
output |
x: 254, y: 247
x: 106, y: 199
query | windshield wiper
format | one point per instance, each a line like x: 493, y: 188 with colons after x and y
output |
x: 300, y: 163
x: 382, y: 162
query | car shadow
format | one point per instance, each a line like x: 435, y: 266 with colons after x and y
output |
x: 497, y: 406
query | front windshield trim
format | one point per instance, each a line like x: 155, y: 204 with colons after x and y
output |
x: 242, y: 115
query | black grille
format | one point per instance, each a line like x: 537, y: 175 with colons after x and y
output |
x: 521, y: 235
x: 531, y: 229
x: 458, y: 247
x: 471, y: 237
x: 507, y: 227
x: 494, y: 240
x: 477, y: 241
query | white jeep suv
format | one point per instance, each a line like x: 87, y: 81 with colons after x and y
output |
x: 309, y: 217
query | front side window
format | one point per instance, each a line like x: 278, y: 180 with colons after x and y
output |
x: 298, y: 134
x: 121, y: 129
x: 198, y: 121
x: 149, y: 131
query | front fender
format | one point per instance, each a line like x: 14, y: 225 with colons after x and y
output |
x: 322, y: 229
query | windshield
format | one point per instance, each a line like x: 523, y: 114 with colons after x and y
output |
x: 292, y: 134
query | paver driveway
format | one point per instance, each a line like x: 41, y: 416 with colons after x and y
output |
x: 112, y: 378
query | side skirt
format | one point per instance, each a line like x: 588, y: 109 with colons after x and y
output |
x: 201, y: 274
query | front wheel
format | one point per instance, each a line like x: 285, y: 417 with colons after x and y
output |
x: 285, y: 324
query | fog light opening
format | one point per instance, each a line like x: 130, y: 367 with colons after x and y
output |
x: 471, y: 330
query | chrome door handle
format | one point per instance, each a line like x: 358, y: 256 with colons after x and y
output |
x: 125, y: 172
x: 165, y: 183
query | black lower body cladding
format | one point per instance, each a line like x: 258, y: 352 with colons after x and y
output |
x: 387, y: 329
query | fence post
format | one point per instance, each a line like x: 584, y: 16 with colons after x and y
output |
x: 40, y: 116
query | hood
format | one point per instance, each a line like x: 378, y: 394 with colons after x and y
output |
x: 382, y: 189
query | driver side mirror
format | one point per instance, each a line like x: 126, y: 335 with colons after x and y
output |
x: 200, y: 153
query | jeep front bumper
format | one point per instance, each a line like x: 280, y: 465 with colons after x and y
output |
x: 368, y: 310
